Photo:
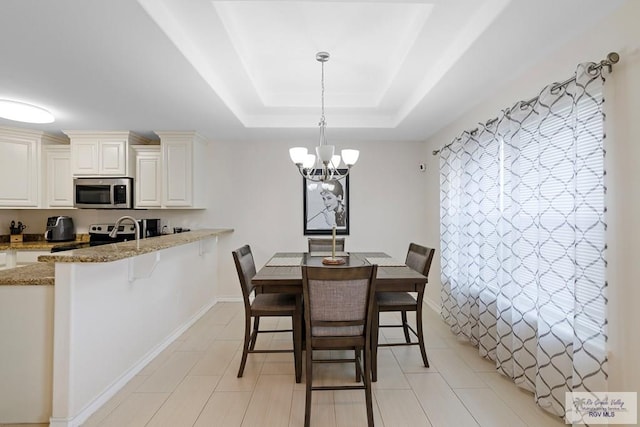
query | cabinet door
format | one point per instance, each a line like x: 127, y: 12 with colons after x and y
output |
x: 148, y: 178
x: 18, y: 172
x: 58, y: 178
x: 178, y: 173
x: 84, y: 158
x: 113, y: 157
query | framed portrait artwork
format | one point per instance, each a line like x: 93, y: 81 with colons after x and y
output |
x: 326, y: 204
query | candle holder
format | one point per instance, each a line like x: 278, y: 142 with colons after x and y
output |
x: 333, y: 261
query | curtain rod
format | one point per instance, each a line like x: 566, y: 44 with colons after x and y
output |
x: 612, y: 58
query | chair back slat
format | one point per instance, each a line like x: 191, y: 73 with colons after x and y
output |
x: 324, y: 307
x: 326, y: 245
x: 339, y: 323
x: 338, y: 300
x: 246, y: 268
x: 419, y: 258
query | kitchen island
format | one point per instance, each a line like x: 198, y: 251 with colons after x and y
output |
x: 77, y: 326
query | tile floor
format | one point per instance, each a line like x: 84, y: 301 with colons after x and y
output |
x: 193, y: 383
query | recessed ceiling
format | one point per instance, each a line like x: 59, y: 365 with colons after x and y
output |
x: 246, y: 70
x: 259, y: 56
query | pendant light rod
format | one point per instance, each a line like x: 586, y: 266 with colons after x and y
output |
x: 322, y: 57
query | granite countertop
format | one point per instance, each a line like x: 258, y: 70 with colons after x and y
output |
x: 117, y: 251
x: 31, y: 243
x: 42, y: 273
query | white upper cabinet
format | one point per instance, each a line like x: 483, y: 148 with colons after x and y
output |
x: 103, y: 153
x: 85, y: 158
x: 20, y: 166
x: 58, y: 182
x: 18, y: 171
x: 148, y: 179
x: 184, y: 176
x: 113, y: 157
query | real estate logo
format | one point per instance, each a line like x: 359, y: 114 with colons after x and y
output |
x: 601, y: 408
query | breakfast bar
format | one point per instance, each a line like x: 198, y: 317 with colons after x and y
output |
x: 83, y: 307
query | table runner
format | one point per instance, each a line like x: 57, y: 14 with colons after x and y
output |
x: 323, y: 253
x: 284, y: 261
x: 385, y: 262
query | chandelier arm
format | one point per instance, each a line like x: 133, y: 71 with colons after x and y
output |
x: 322, y: 175
x: 309, y: 174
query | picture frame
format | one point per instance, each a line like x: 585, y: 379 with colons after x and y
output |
x: 324, y: 205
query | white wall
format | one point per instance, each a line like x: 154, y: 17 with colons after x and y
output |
x: 259, y: 194
x: 621, y: 33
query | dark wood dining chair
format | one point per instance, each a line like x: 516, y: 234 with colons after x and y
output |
x: 418, y: 258
x: 325, y: 245
x: 338, y: 316
x: 263, y: 305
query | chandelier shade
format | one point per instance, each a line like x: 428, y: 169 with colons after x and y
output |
x: 350, y: 156
x: 325, y: 164
x: 298, y: 154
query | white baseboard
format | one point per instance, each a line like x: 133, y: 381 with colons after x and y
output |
x: 229, y: 299
x: 435, y: 306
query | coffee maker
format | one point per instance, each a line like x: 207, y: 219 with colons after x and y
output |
x: 60, y: 229
x: 149, y: 227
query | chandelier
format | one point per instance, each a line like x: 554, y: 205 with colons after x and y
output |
x: 325, y: 164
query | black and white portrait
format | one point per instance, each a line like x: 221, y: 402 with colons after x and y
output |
x: 326, y: 204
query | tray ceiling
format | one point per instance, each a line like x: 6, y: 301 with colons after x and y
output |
x: 399, y: 70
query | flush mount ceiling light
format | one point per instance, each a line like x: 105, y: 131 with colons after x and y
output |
x: 325, y: 166
x: 22, y: 112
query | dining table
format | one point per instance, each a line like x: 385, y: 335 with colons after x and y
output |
x: 282, y: 273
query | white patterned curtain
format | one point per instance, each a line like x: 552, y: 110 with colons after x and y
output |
x: 522, y: 240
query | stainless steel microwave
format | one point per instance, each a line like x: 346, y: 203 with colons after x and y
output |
x: 103, y: 193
